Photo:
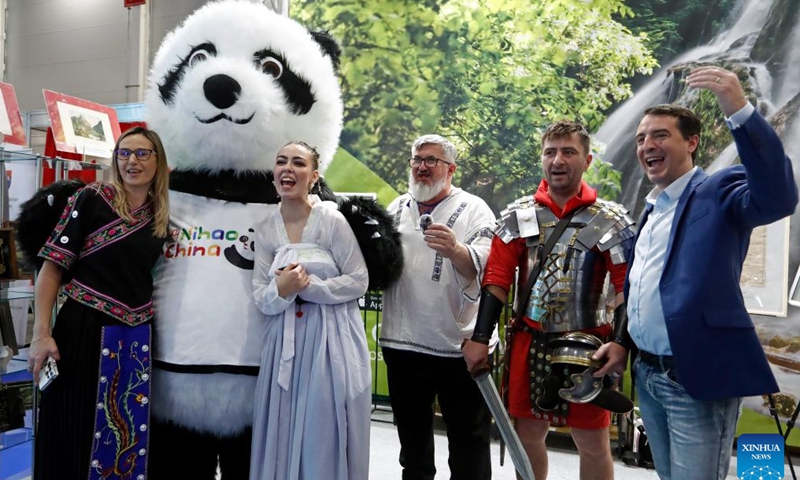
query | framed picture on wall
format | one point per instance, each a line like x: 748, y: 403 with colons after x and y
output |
x: 794, y: 293
x: 10, y: 119
x: 80, y: 126
x: 765, y: 273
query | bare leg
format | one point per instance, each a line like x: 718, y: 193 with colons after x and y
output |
x: 532, y: 433
x: 594, y: 448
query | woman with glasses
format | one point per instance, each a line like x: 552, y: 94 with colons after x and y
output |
x: 94, y: 417
x: 312, y: 408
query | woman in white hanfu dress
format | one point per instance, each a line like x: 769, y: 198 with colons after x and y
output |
x: 312, y: 410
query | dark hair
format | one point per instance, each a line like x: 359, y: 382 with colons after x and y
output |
x: 313, y: 150
x: 688, y: 123
x: 566, y: 128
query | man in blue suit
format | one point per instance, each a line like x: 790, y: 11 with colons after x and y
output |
x: 698, y: 353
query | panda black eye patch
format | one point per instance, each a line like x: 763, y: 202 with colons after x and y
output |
x: 171, y: 80
x: 296, y: 90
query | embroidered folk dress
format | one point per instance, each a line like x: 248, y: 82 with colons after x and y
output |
x: 313, y: 393
x: 94, y: 418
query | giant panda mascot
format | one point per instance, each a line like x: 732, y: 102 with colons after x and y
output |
x: 228, y: 88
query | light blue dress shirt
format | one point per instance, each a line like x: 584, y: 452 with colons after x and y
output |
x: 646, y: 322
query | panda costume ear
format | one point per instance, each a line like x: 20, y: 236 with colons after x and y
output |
x: 330, y: 46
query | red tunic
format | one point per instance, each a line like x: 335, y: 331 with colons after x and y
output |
x: 500, y: 270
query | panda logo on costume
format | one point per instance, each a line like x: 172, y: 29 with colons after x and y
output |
x: 242, y: 253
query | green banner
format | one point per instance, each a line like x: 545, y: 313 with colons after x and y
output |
x: 371, y: 311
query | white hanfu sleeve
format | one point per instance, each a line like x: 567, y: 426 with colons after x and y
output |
x: 352, y: 282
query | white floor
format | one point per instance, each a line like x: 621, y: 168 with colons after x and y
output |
x: 385, y: 451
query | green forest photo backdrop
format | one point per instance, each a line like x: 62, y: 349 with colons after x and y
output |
x: 491, y: 75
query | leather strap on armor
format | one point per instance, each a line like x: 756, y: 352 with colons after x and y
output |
x: 620, y: 333
x: 543, y: 252
x: 546, y: 380
x: 489, y: 311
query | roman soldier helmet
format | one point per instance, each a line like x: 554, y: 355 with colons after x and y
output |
x: 571, y: 359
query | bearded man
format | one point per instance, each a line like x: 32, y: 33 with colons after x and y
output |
x: 431, y: 310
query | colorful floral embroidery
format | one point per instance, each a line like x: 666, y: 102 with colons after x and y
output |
x: 117, y: 230
x: 63, y: 258
x: 103, y: 236
x: 108, y: 305
x: 122, y: 430
x: 50, y: 251
x: 106, y: 192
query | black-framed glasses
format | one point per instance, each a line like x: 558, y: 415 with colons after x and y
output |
x: 141, y: 153
x: 430, y: 162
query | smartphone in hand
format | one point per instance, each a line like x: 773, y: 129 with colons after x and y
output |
x: 48, y: 373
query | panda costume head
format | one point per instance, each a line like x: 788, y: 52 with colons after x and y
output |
x: 235, y: 82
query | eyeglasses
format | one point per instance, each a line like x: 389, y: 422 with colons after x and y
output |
x: 430, y: 162
x: 141, y: 153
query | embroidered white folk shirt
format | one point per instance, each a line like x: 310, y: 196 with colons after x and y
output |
x: 432, y: 308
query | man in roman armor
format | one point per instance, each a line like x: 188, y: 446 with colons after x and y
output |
x: 571, y: 249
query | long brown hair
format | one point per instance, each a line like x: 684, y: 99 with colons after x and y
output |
x: 158, y: 189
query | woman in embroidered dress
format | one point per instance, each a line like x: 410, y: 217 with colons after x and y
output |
x: 93, y: 420
x: 313, y: 393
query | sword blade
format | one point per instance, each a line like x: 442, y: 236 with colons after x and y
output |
x: 515, y: 449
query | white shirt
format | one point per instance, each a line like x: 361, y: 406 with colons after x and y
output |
x: 432, y: 308
x: 646, y: 322
x: 205, y: 313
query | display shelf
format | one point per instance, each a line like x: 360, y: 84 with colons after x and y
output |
x: 11, y: 155
x: 12, y: 438
x: 16, y: 451
x: 15, y: 374
x: 71, y: 165
x: 16, y: 293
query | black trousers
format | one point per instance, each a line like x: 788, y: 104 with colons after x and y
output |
x: 415, y: 380
x: 200, y: 454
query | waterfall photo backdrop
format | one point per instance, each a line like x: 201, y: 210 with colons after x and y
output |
x: 758, y: 40
x: 492, y: 75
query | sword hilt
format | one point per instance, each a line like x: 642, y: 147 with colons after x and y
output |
x: 480, y: 370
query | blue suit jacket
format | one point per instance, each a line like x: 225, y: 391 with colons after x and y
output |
x: 714, y: 344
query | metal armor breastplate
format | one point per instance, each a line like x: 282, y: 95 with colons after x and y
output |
x: 570, y: 291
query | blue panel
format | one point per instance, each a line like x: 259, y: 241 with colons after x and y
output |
x: 130, y: 112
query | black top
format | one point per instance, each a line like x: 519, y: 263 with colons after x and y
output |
x: 109, y: 260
